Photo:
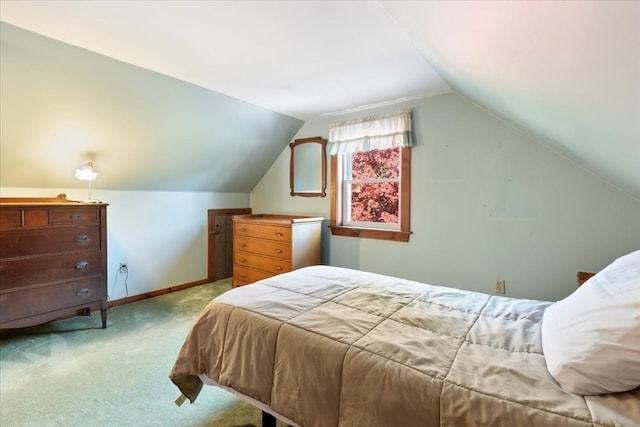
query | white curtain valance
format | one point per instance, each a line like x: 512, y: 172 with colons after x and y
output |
x: 371, y: 133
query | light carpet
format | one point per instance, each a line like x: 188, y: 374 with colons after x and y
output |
x: 73, y: 373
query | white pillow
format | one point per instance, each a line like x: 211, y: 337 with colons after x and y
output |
x: 591, y: 339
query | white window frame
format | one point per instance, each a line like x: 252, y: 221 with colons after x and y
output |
x: 346, y: 162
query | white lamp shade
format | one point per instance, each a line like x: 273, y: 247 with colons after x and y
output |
x: 86, y: 173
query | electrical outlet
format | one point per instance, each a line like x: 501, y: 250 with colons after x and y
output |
x: 500, y: 288
x: 123, y: 268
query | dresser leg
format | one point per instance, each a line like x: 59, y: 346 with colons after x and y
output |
x: 103, y: 314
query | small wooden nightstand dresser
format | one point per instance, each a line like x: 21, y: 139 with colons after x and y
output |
x: 583, y: 277
x: 53, y: 260
x: 265, y: 245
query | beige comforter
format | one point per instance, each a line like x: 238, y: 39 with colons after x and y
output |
x: 325, y: 346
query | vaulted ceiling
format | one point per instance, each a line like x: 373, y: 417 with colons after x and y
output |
x: 567, y: 72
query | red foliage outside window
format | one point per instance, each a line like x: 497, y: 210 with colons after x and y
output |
x: 375, y: 201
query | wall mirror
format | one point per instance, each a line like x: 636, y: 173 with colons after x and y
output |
x: 308, y: 167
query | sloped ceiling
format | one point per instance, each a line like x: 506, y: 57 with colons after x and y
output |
x: 565, y: 71
x: 62, y: 106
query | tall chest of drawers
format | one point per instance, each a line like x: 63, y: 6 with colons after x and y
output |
x: 53, y: 260
x: 265, y: 245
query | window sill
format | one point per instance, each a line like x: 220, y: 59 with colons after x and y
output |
x: 369, y: 233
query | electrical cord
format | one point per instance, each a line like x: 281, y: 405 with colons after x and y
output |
x: 119, y: 271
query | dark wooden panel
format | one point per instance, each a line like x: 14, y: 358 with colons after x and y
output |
x: 36, y: 217
x: 220, y: 242
x: 10, y: 218
x: 223, y: 233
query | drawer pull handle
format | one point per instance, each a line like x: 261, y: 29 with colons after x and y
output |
x: 279, y: 268
x: 244, y: 230
x: 279, y: 234
x: 82, y: 292
x: 243, y: 245
x: 82, y: 265
x: 278, y: 251
x: 81, y: 238
x: 243, y: 260
x: 243, y: 275
x: 74, y: 216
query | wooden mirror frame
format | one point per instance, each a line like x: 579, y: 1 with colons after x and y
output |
x: 323, y: 167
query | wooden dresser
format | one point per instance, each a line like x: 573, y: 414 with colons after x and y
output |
x: 583, y: 277
x: 265, y: 245
x: 53, y: 260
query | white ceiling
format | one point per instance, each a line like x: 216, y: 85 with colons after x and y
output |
x: 568, y: 72
x: 302, y: 59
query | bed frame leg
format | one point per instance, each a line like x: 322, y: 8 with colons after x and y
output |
x: 268, y: 420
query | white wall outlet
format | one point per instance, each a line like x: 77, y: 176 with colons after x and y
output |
x: 123, y: 268
x: 500, y: 287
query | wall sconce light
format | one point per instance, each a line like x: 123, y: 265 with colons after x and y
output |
x: 86, y: 173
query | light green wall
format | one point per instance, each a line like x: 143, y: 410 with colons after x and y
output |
x: 488, y: 202
x: 62, y: 106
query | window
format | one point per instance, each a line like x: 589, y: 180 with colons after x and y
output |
x: 371, y: 189
x: 370, y: 194
x: 374, y: 205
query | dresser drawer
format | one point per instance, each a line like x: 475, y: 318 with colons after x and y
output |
x: 17, y: 243
x: 49, y: 269
x: 261, y: 231
x: 10, y: 218
x: 31, y: 302
x: 262, y: 247
x: 75, y: 216
x: 273, y: 265
x: 243, y: 275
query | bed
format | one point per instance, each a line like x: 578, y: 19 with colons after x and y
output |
x: 328, y: 346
